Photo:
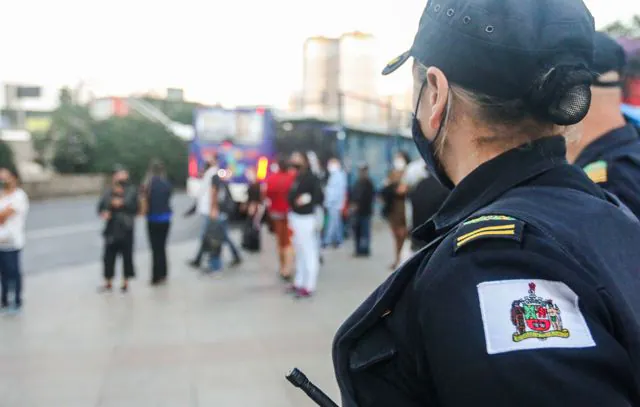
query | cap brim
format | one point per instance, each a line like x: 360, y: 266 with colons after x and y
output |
x: 396, y: 63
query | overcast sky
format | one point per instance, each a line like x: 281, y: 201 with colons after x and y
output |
x: 234, y: 51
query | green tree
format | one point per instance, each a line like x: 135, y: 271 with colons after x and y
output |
x: 70, y: 143
x: 134, y: 142
x: 620, y: 29
x: 6, y: 156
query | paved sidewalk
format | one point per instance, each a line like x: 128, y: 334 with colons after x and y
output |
x: 215, y: 341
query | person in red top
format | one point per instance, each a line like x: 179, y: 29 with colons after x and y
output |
x: 278, y: 186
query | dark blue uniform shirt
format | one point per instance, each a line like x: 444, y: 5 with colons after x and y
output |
x: 613, y: 162
x: 528, y: 295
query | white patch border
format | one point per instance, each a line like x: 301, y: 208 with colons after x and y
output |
x: 491, y: 350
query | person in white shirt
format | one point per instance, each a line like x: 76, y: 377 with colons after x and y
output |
x: 204, y: 207
x: 14, y: 206
x: 203, y: 204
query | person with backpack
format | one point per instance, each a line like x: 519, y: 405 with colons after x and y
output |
x: 205, y: 206
x: 609, y: 149
x: 222, y: 207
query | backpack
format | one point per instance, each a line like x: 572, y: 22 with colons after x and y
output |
x: 225, y: 200
x: 214, y: 237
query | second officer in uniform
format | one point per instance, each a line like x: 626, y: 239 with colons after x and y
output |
x: 609, y: 148
x: 527, y: 294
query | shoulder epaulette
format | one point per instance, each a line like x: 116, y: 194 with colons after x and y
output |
x: 597, y: 171
x: 488, y: 227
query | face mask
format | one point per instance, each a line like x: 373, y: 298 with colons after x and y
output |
x: 399, y: 164
x: 333, y: 167
x: 428, y: 154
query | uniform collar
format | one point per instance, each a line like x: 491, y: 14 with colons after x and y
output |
x: 492, y: 179
x: 614, y: 138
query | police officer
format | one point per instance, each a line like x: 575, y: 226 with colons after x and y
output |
x: 609, y: 149
x: 527, y: 294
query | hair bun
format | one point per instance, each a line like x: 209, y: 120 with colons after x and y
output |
x: 563, y: 94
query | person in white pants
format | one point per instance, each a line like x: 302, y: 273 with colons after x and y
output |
x: 304, y: 197
x: 305, y: 241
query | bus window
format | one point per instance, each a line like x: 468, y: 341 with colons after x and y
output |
x: 249, y: 128
x: 215, y: 125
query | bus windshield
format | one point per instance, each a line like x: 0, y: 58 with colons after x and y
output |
x: 239, y: 126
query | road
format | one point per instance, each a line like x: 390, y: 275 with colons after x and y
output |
x: 66, y: 232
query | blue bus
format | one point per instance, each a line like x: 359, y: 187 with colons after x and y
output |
x: 242, y: 138
x: 253, y: 138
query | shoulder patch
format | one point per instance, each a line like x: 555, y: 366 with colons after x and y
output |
x: 488, y: 227
x: 548, y: 317
x: 597, y: 171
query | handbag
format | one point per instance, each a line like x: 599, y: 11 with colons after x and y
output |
x: 251, y: 237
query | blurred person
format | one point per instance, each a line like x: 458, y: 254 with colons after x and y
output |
x: 118, y: 207
x: 304, y: 197
x: 193, y: 209
x: 334, y: 201
x: 255, y: 211
x: 426, y: 195
x: 278, y: 186
x: 362, y: 199
x: 394, y: 195
x: 609, y: 148
x: 220, y: 211
x: 14, y: 207
x: 400, y: 161
x: 156, y: 194
x: 204, y: 209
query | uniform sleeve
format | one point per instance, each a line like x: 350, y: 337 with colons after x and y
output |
x: 501, y: 329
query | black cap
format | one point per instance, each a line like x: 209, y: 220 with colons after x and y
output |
x: 608, y: 56
x: 501, y: 48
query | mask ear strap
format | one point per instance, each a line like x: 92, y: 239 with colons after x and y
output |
x: 424, y: 83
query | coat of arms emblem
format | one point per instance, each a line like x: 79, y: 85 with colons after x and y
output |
x: 535, y: 317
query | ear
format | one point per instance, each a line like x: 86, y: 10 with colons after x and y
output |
x: 438, y: 91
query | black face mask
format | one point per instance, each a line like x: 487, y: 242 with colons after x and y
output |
x: 427, y: 150
x: 428, y: 153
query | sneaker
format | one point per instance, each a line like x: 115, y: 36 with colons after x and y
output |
x: 10, y: 310
x: 303, y: 293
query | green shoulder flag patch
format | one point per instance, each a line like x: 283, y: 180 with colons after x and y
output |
x: 488, y: 227
x: 597, y: 171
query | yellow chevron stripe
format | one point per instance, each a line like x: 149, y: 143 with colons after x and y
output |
x: 487, y: 228
x: 488, y: 233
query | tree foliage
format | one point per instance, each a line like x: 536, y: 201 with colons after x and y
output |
x: 621, y: 29
x: 134, y: 142
x: 69, y: 143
